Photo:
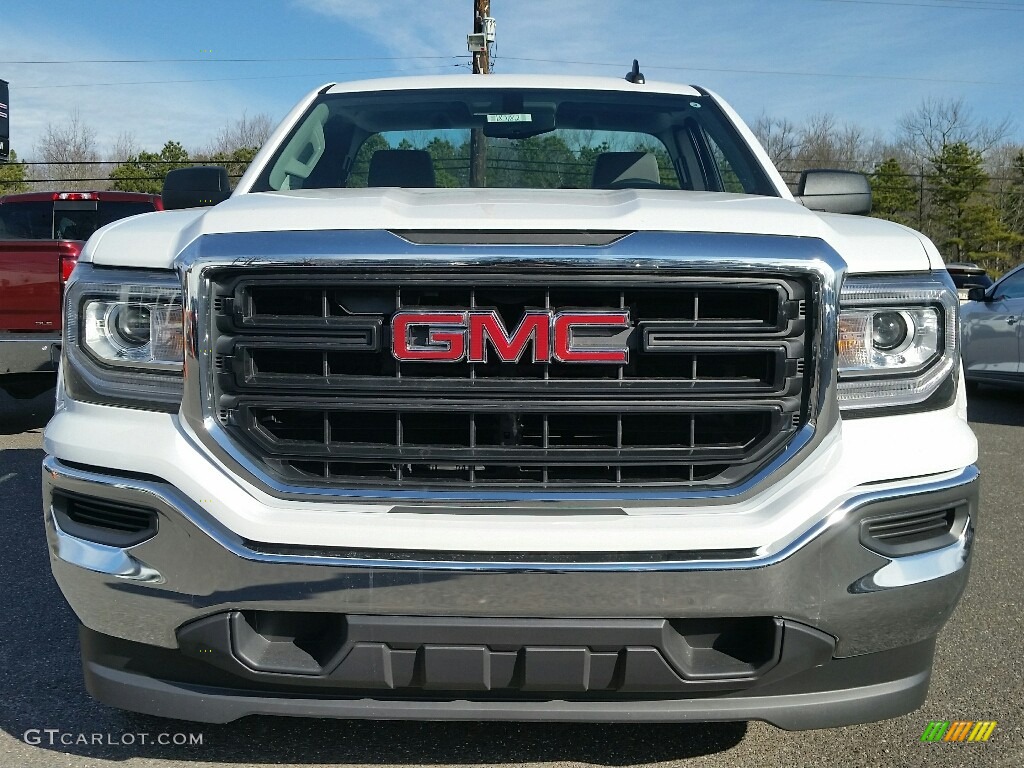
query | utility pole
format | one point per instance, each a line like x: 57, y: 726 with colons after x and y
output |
x: 5, y: 123
x: 481, y: 56
x: 480, y: 45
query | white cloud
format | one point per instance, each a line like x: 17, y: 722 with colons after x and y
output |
x: 566, y: 29
x: 404, y: 27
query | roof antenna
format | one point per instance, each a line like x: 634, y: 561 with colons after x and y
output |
x: 635, y: 75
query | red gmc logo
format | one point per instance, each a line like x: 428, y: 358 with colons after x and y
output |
x: 451, y: 336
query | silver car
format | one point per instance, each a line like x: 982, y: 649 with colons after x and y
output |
x: 991, y: 326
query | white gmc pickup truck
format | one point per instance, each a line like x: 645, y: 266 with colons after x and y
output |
x: 511, y: 397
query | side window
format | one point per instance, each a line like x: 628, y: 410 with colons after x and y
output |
x: 1011, y: 287
x: 27, y: 221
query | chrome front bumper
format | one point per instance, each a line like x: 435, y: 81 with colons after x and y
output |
x: 194, y: 568
x: 855, y: 631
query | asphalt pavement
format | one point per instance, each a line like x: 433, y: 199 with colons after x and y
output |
x: 46, y: 718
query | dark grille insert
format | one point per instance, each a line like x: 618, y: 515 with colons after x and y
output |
x: 714, y: 384
x: 501, y: 659
x: 913, y: 527
x: 504, y: 449
x: 315, y: 431
x: 715, y: 306
x: 907, y: 533
x: 103, y: 521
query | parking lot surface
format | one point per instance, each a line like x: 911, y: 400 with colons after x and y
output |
x: 46, y: 718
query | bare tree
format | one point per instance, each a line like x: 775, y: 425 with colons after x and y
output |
x: 779, y: 138
x: 936, y: 123
x: 826, y: 144
x: 245, y: 133
x: 69, y: 152
x: 124, y: 147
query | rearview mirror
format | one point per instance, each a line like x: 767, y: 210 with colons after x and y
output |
x: 834, y: 191
x: 196, y: 187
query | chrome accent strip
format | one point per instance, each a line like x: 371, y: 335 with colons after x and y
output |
x: 768, y: 555
x: 635, y: 253
x: 101, y: 558
x: 925, y: 566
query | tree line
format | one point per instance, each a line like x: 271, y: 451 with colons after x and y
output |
x: 68, y: 156
x: 941, y: 170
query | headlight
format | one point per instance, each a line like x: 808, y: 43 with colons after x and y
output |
x: 897, y: 344
x: 124, y: 337
x: 133, y: 332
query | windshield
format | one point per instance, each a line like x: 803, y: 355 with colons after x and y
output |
x: 515, y: 138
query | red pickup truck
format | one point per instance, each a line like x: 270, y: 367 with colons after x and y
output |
x: 41, y: 236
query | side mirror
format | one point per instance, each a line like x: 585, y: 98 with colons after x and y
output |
x: 834, y: 191
x: 976, y: 293
x: 195, y: 187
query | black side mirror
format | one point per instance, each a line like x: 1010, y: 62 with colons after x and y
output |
x: 976, y: 293
x: 834, y: 191
x: 195, y: 187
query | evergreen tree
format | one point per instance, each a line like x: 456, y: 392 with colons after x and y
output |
x: 12, y: 175
x: 236, y: 161
x: 361, y: 165
x: 893, y: 196
x: 1013, y: 207
x: 970, y: 227
x: 145, y: 171
x: 451, y: 163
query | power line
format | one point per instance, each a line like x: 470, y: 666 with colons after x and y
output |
x: 955, y: 4
x: 788, y: 73
x: 249, y: 77
x: 208, y: 60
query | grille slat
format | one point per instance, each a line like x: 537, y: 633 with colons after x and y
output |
x: 714, y: 384
x: 911, y: 526
x: 103, y: 514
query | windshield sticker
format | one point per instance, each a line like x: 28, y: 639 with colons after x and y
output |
x: 510, y: 118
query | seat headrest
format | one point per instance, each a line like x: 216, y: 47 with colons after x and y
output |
x: 619, y: 166
x: 400, y: 168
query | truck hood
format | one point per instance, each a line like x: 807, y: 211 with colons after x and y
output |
x: 153, y: 240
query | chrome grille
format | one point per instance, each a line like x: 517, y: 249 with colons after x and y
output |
x: 715, y: 386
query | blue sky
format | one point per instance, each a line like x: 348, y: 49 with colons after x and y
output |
x: 865, y: 61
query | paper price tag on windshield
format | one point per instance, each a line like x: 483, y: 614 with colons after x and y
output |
x: 510, y: 118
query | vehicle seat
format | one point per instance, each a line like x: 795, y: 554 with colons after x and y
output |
x: 401, y: 168
x: 614, y: 167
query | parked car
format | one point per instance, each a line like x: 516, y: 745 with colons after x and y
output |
x: 966, y: 276
x: 41, y: 237
x: 990, y: 325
